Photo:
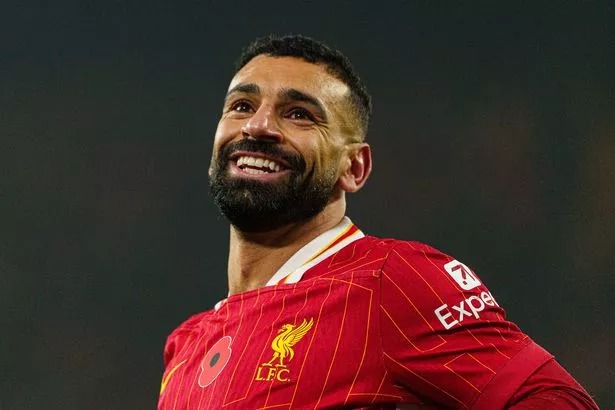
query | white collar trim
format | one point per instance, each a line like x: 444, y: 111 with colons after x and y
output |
x: 315, y: 252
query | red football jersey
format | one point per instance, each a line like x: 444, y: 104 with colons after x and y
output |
x: 352, y: 321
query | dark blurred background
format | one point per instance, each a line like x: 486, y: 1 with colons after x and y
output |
x: 494, y: 139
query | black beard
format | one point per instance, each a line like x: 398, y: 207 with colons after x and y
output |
x: 255, y: 206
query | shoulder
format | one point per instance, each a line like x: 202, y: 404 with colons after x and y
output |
x: 401, y: 245
x: 383, y: 246
x: 415, y: 249
x: 192, y: 323
x: 413, y: 258
x: 429, y: 274
x: 407, y: 261
x: 446, y: 291
x: 403, y: 255
x: 178, y: 337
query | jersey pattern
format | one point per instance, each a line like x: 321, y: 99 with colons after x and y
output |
x: 379, y: 324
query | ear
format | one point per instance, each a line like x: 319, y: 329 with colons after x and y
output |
x: 358, y: 166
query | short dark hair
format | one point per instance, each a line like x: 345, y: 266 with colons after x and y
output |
x: 313, y: 51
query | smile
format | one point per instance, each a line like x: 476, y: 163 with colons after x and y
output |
x: 254, y: 165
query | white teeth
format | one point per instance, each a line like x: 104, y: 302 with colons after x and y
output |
x: 258, y: 162
x: 254, y: 171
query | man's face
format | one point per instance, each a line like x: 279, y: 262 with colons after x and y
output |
x: 277, y: 150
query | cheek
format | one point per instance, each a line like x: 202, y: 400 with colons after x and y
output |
x: 225, y: 132
x: 221, y: 137
x: 222, y: 133
x: 314, y: 155
x: 326, y: 160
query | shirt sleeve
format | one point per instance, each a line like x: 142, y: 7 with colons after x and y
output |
x: 444, y: 336
x: 551, y: 387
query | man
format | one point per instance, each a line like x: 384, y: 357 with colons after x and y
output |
x: 318, y: 314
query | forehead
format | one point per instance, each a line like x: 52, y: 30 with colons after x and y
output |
x: 272, y: 74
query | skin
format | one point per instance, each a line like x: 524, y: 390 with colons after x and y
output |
x: 321, y: 128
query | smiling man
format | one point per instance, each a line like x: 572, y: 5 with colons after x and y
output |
x: 320, y: 315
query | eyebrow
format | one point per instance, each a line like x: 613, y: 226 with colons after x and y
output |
x: 247, y: 88
x: 286, y: 94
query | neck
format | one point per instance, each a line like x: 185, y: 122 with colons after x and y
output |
x: 255, y: 257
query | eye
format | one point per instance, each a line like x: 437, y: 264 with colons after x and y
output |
x: 241, y: 106
x: 298, y: 113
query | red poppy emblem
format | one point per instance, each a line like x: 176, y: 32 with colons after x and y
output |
x: 215, y: 360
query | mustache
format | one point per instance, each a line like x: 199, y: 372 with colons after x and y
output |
x: 271, y: 149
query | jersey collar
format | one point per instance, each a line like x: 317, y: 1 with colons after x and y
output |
x: 319, y: 249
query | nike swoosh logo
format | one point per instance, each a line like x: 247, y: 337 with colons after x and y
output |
x: 165, y: 379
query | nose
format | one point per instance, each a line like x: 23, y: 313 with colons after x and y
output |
x: 263, y: 125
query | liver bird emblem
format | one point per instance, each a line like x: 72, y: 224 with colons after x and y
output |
x: 283, y: 343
